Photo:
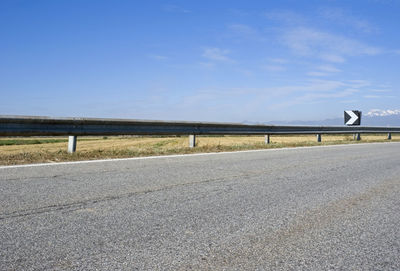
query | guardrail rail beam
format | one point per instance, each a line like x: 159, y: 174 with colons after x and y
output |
x: 48, y: 126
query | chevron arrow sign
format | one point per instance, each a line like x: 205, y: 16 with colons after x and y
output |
x: 352, y: 117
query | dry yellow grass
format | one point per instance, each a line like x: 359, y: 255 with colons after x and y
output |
x: 113, y: 147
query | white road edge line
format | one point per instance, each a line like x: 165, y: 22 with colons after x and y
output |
x: 188, y: 155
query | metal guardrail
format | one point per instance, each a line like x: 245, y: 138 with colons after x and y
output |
x: 47, y: 126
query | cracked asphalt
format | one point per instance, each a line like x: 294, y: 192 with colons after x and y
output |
x: 319, y: 208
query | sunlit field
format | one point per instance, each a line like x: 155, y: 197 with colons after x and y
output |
x: 42, y: 149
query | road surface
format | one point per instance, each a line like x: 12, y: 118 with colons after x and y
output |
x: 318, y: 208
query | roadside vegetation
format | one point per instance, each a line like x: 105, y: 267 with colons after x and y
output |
x: 28, y: 141
x: 47, y: 150
x: 6, y: 142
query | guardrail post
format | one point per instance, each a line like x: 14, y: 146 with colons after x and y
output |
x: 358, y: 136
x: 72, y: 144
x: 389, y: 136
x: 192, y: 141
x: 319, y: 137
x: 267, y: 139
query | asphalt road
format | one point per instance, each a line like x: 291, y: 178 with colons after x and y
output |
x: 320, y: 208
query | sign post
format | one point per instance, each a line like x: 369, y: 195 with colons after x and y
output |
x: 351, y: 118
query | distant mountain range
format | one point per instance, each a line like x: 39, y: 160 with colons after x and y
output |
x: 372, y: 118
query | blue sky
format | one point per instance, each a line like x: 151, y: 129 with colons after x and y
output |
x: 199, y: 60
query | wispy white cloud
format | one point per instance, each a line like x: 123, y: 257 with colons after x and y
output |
x: 300, y: 35
x: 242, y: 29
x: 384, y: 86
x: 239, y: 12
x: 316, y: 97
x: 289, y: 94
x: 317, y: 73
x: 305, y: 41
x: 275, y: 65
x: 217, y: 54
x: 279, y: 60
x: 372, y: 96
x: 328, y: 68
x: 319, y: 90
x: 207, y: 65
x: 287, y: 17
x: 246, y: 32
x: 345, y: 18
x: 332, y: 58
x: 382, y: 113
x: 274, y: 68
x: 312, y: 91
x: 245, y: 72
x: 360, y: 83
x: 315, y: 85
x: 380, y: 90
x: 253, y: 100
